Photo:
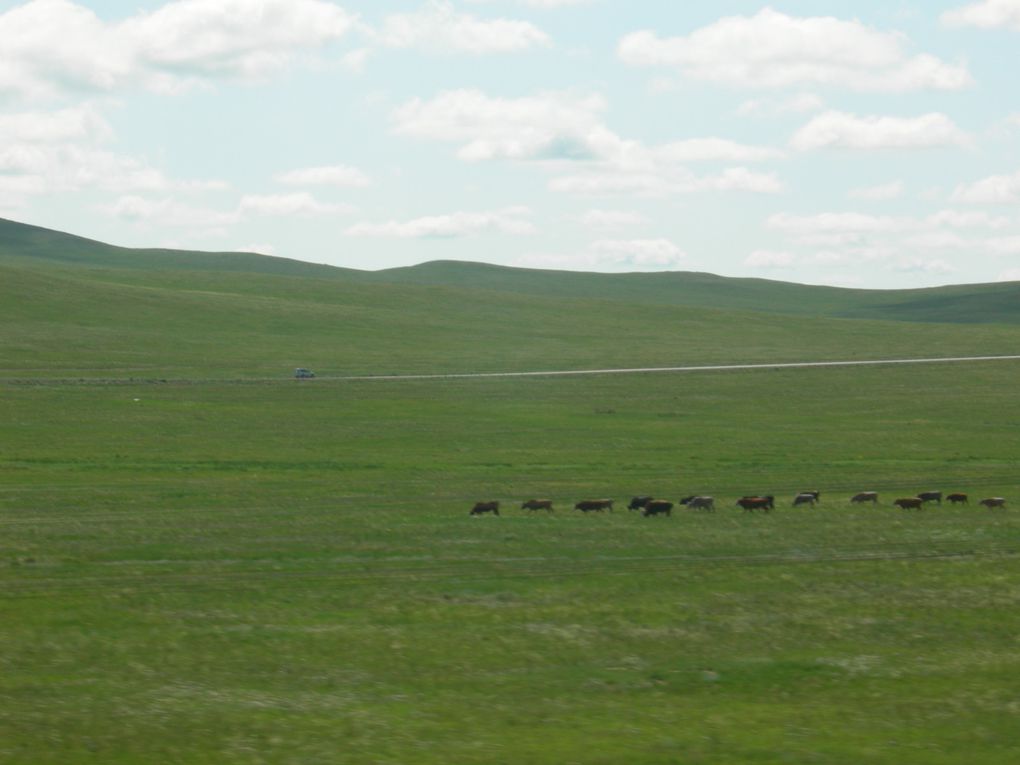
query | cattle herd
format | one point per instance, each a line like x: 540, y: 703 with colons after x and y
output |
x: 649, y: 505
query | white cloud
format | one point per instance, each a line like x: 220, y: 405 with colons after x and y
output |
x: 174, y: 213
x: 355, y: 60
x: 899, y: 244
x: 458, y: 224
x: 742, y: 179
x: 773, y: 50
x: 612, y: 218
x: 51, y: 46
x: 770, y: 107
x: 924, y: 265
x: 770, y: 259
x: 328, y: 175
x: 562, y: 128
x: 712, y: 149
x: 660, y: 253
x: 987, y: 14
x: 71, y: 124
x: 168, y: 212
x: 537, y: 3
x: 65, y: 151
x: 239, y: 38
x: 554, y: 3
x: 969, y: 219
x: 884, y: 191
x: 551, y: 127
x: 938, y: 240
x: 1009, y: 275
x: 40, y: 168
x: 548, y: 125
x: 299, y: 204
x: 440, y: 28
x: 848, y: 131
x: 849, y: 223
x: 663, y: 181
x: 1005, y: 245
x: 261, y: 249
x: 996, y: 189
x: 612, y: 255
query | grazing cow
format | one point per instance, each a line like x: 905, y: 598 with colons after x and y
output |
x: 638, y: 503
x: 587, y: 505
x: 538, y: 504
x: 865, y: 496
x: 485, y: 507
x: 909, y: 503
x: 930, y: 496
x: 750, y: 504
x: 958, y: 498
x: 807, y: 498
x: 699, y: 503
x: 657, y: 507
x: 993, y: 502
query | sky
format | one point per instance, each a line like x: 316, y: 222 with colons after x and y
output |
x: 873, y: 143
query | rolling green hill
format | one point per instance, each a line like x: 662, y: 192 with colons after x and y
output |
x: 972, y: 303
x: 71, y: 307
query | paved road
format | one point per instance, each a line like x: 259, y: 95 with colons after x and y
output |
x: 709, y: 368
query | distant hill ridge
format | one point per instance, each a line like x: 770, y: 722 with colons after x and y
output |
x: 974, y: 303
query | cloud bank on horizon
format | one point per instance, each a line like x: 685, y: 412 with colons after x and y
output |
x: 785, y: 140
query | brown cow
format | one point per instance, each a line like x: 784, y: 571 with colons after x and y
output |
x: 909, y: 503
x: 991, y: 502
x: 485, y: 507
x: 538, y: 504
x: 930, y: 496
x: 958, y: 498
x: 699, y: 503
x: 865, y: 496
x: 752, y: 503
x: 657, y: 506
x: 587, y: 505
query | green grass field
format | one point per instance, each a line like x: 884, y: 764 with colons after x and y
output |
x: 231, y: 568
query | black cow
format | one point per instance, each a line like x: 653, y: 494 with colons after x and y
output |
x: 993, y: 502
x: 638, y: 503
x: 598, y: 505
x: 807, y: 498
x: 538, y: 504
x: 930, y: 496
x: 958, y: 498
x: 657, y: 507
x: 909, y: 503
x: 485, y: 507
x: 699, y: 503
x: 865, y: 496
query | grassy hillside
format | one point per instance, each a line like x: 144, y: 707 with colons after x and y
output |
x: 187, y: 324
x: 219, y: 569
x: 19, y: 241
x: 154, y: 320
x: 982, y: 303
x: 967, y: 303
